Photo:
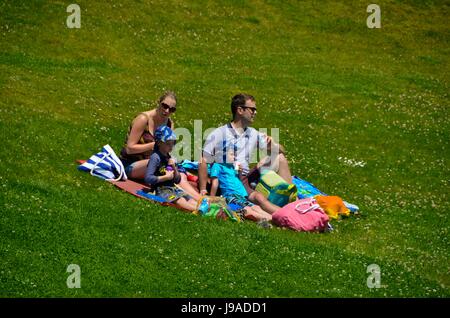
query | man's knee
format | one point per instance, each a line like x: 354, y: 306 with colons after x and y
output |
x: 282, y: 158
x: 258, y: 198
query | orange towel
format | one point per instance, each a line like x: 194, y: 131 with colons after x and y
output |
x: 332, y: 205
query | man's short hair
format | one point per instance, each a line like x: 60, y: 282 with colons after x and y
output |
x: 239, y: 100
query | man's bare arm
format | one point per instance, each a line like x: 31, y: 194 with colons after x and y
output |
x: 202, y: 175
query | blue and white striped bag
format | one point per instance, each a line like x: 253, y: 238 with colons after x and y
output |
x: 105, y: 165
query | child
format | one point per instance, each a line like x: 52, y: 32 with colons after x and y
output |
x: 162, y: 173
x: 225, y: 177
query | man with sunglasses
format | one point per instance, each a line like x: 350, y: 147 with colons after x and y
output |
x: 245, y: 141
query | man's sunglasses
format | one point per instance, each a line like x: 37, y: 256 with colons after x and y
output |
x: 252, y: 109
x: 169, y: 108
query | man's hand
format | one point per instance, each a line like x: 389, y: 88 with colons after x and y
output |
x: 203, y: 192
x: 268, y: 139
x: 270, y: 143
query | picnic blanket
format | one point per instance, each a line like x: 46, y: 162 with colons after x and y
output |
x: 106, y: 165
x: 133, y: 187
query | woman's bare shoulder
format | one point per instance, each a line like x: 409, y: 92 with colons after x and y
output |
x: 141, y: 119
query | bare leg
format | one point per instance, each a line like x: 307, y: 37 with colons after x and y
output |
x: 188, y: 188
x: 283, y: 168
x: 214, y: 187
x: 190, y: 205
x: 139, y: 169
x: 256, y: 215
x: 261, y: 200
x: 279, y: 164
x: 250, y: 214
x: 261, y: 213
x: 202, y: 174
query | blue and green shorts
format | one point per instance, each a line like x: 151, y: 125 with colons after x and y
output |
x: 238, y: 200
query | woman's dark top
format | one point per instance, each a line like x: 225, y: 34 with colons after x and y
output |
x: 146, y: 138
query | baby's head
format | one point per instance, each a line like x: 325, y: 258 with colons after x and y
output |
x: 165, y: 138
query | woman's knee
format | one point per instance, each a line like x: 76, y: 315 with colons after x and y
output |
x: 137, y: 169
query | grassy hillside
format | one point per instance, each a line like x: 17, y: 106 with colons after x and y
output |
x: 333, y: 87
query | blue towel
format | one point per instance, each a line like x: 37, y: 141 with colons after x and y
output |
x: 151, y: 196
x: 305, y: 189
x: 192, y: 165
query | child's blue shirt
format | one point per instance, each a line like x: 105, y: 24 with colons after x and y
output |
x: 229, y: 182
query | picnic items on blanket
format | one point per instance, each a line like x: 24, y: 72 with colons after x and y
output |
x: 275, y: 188
x: 105, y: 165
x: 304, y: 188
x: 308, y: 216
x: 302, y: 215
x: 191, y: 177
x: 216, y: 207
x: 138, y: 189
x: 333, y: 206
x: 307, y: 190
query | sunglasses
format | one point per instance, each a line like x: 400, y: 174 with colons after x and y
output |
x: 252, y: 109
x: 169, y: 108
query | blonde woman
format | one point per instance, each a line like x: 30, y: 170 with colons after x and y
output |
x: 140, y: 140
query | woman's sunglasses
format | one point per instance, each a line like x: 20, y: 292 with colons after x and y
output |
x: 169, y: 108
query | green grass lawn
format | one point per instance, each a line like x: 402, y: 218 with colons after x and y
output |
x: 333, y: 87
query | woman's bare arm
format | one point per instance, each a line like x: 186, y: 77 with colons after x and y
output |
x: 137, y: 129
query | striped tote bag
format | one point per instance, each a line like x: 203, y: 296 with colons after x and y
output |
x: 105, y: 165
